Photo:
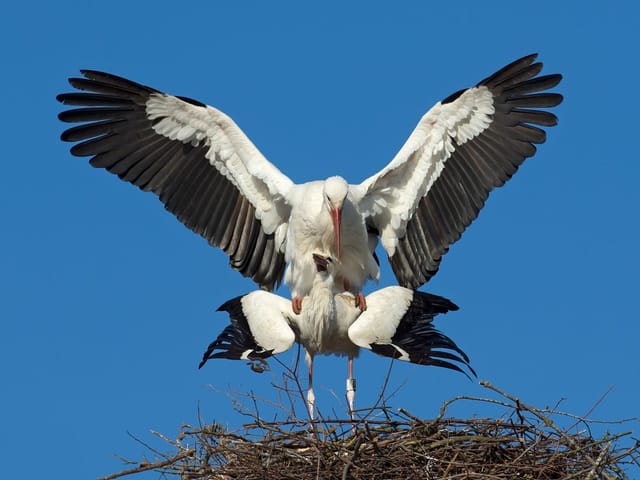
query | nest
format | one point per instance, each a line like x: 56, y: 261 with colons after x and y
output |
x: 524, y: 442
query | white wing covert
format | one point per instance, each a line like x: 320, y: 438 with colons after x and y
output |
x: 398, y: 323
x: 464, y: 147
x: 260, y: 327
x: 194, y: 157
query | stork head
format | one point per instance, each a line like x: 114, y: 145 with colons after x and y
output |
x: 335, y: 193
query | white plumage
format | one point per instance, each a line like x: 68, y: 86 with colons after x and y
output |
x: 209, y: 174
x: 397, y: 324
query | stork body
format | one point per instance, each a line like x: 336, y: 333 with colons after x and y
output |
x: 313, y: 229
x: 323, y: 327
x: 210, y: 175
x: 397, y: 324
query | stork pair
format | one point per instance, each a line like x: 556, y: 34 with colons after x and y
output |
x: 397, y: 323
x: 209, y: 174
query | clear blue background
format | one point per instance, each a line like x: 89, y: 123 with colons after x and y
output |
x: 107, y: 302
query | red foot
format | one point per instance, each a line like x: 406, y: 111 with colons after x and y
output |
x: 361, y: 302
x: 296, y: 304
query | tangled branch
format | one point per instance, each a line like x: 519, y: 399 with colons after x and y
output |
x: 523, y: 442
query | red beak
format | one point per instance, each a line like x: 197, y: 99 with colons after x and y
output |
x: 336, y: 217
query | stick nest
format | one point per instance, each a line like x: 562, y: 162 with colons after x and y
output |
x: 523, y: 443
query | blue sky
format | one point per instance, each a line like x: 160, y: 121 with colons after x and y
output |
x: 107, y: 302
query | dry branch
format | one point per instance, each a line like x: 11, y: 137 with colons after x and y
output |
x: 524, y: 442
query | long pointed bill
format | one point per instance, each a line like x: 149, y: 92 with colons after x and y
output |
x: 336, y: 217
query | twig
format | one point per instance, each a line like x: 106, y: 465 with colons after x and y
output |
x: 356, y: 450
x: 522, y: 442
x: 145, y: 467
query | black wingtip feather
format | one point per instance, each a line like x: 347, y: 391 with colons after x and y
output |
x: 477, y: 166
x: 116, y: 131
x: 416, y: 336
x: 236, y: 341
x: 192, y: 101
x: 509, y: 70
x: 114, y: 80
x: 231, y: 306
x: 533, y: 85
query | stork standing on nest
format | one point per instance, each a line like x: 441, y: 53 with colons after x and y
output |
x: 208, y: 173
x: 397, y: 324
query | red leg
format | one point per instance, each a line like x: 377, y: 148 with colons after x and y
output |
x: 296, y: 304
x: 361, y: 301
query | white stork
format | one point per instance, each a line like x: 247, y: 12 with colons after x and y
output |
x: 209, y: 174
x: 397, y: 323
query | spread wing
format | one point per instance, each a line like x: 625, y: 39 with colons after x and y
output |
x: 194, y: 157
x: 464, y: 147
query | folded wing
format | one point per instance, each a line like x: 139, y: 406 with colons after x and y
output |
x: 259, y: 328
x: 398, y: 324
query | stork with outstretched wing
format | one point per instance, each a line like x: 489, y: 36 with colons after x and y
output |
x: 208, y: 173
x: 396, y: 324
